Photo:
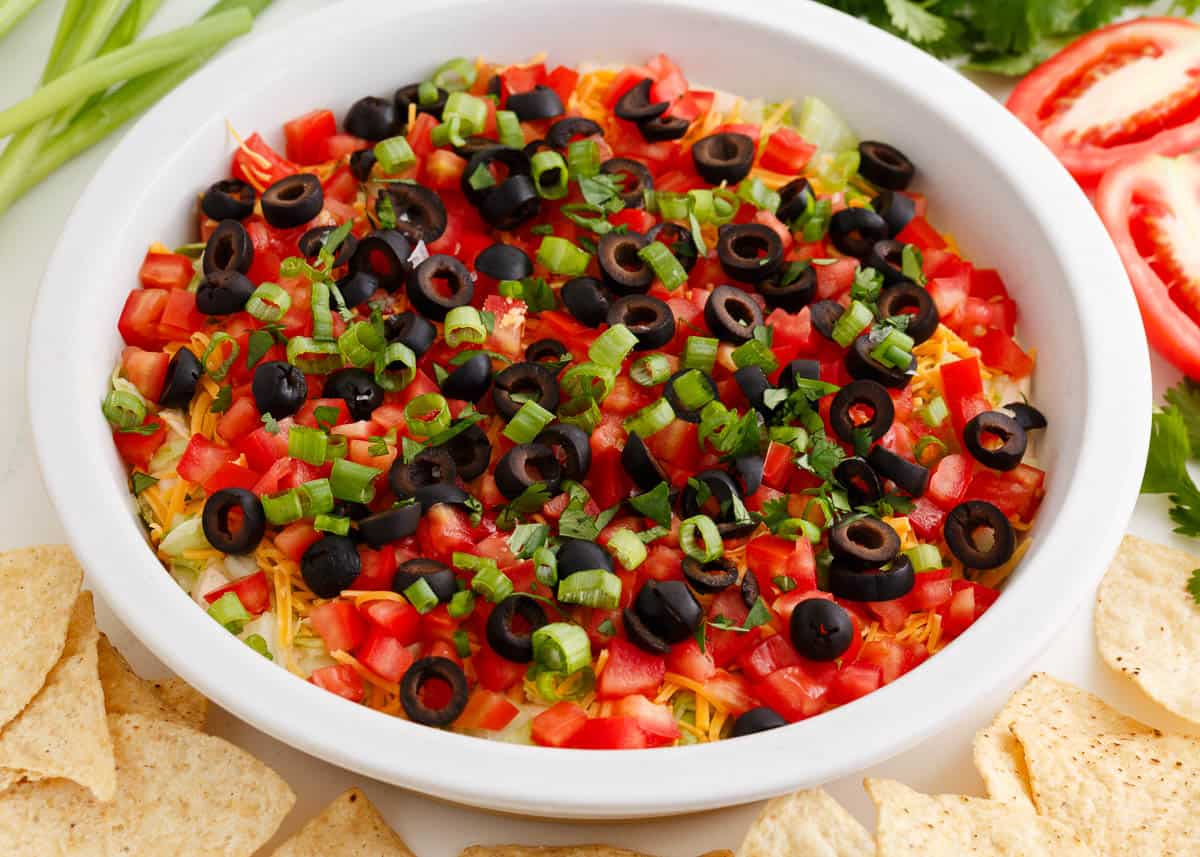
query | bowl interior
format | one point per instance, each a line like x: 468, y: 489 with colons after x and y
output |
x: 989, y: 182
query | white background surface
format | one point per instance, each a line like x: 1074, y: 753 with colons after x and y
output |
x: 29, y: 232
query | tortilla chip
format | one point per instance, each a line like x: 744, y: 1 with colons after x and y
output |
x: 809, y: 823
x: 351, y: 826
x: 912, y: 824
x: 125, y: 692
x: 179, y: 792
x: 38, y: 587
x: 63, y: 732
x: 548, y: 851
x: 998, y: 755
x: 1126, y: 794
x: 1148, y: 625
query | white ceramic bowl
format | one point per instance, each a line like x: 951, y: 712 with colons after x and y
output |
x: 1005, y: 198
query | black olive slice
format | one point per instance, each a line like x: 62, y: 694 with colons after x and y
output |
x: 669, y: 609
x: 649, y: 319
x: 229, y: 199
x: 423, y: 672
x: 872, y: 584
x: 756, y: 720
x: 640, y: 464
x: 909, y: 299
x: 572, y: 447
x: 720, y: 486
x: 541, y: 102
x: 750, y: 591
x: 233, y: 535
x: 357, y: 287
x: 279, y: 388
x: 748, y: 470
x: 671, y: 393
x: 313, y: 240
x: 548, y: 351
x: 443, y: 493
x: 415, y: 331
x: 885, y: 166
x: 723, y: 157
x: 854, y: 231
x: 586, y: 299
x: 563, y: 131
x: 183, y: 373
x: 504, y: 262
x: 440, y: 577
x: 660, y: 129
x: 710, y: 577
x: 979, y: 535
x: 223, y: 293
x: 330, y: 565
x: 749, y: 252
x: 861, y: 482
x: 641, y: 636
x: 896, y: 208
x: 624, y: 271
x: 527, y: 464
x: 910, y: 477
x: 995, y: 440
x: 511, y: 204
x: 820, y: 629
x: 865, y: 399
x: 514, y: 161
x: 471, y: 452
x: 438, y: 285
x: 732, y: 314
x: 362, y: 162
x: 411, y: 94
x: 800, y: 369
x: 887, y: 257
x: 228, y: 248
x: 470, y: 380
x: 864, y: 542
x: 636, y: 179
x: 753, y: 383
x: 1027, y: 416
x: 863, y: 367
x: 372, y: 118
x: 293, y: 201
x: 431, y: 466
x: 791, y: 289
x: 824, y: 315
x: 390, y: 525
x: 678, y: 240
x: 796, y: 199
x: 503, y: 634
x: 635, y: 105
x: 385, y: 255
x: 523, y: 382
x: 355, y: 387
x: 575, y: 555
x: 417, y: 208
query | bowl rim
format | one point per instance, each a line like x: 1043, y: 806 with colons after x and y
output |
x: 447, y: 765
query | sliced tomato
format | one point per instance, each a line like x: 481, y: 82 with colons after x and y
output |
x: 610, y: 733
x: 253, y: 591
x: 495, y: 672
x: 656, y: 720
x: 146, y: 370
x: 773, y: 653
x: 339, y: 625
x: 488, y: 710
x: 443, y: 530
x: 793, y: 693
x: 140, y: 316
x: 397, y: 618
x: 384, y: 655
x: 629, y: 670
x: 1122, y: 92
x: 686, y: 659
x: 202, y: 458
x: 558, y: 724
x: 854, y: 681
x: 307, y: 136
x: 340, y: 679
x: 787, y: 152
x: 166, y: 271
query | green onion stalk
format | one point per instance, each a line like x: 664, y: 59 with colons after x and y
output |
x: 11, y: 13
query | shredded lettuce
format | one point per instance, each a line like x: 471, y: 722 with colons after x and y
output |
x: 821, y: 126
x: 187, y: 535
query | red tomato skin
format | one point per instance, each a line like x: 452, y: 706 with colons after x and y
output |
x: 252, y: 590
x: 146, y: 370
x: 558, y: 724
x: 384, y: 655
x: 486, y: 710
x: 294, y: 539
x: 307, y: 136
x: 793, y: 694
x: 927, y: 518
x: 949, y: 480
x: 629, y: 670
x: 398, y: 619
x: 854, y: 681
x: 165, y: 271
x: 202, y: 458
x: 138, y: 323
x: 610, y: 733
x: 496, y: 673
x: 339, y: 624
x: 340, y: 679
x: 686, y: 659
x: 773, y: 653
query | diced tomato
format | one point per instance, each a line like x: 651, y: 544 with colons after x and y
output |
x: 231, y: 475
x: 691, y: 105
x: 919, y: 232
x: 340, y: 679
x: 384, y: 655
x: 558, y: 724
x: 786, y: 603
x: 139, y: 319
x: 260, y: 165
x: 773, y: 653
x: 137, y: 448
x: 779, y: 465
x: 726, y: 646
x: 949, y: 480
x: 662, y: 563
x: 516, y: 79
x: 377, y: 569
x: 958, y: 615
x: 508, y: 326
x: 146, y: 370
x: 180, y: 316
x: 253, y: 591
x: 625, y: 80
x: 926, y: 518
x: 610, y: 482
x: 262, y: 448
x: 610, y: 733
x: 637, y: 219
x: 887, y: 655
x: 563, y: 81
x: 339, y: 624
x: 340, y: 146
x: 931, y: 589
x: 1015, y: 493
x: 892, y: 614
x: 731, y: 691
x: 294, y: 539
x: 202, y: 458
x: 308, y: 136
x: 786, y: 152
x: 443, y: 169
x: 999, y: 351
x: 793, y: 693
x: 657, y: 720
x: 629, y: 670
x: 854, y: 681
x: 307, y: 415
x: 835, y: 280
x: 486, y: 710
x: 240, y: 420
x: 495, y: 672
x: 962, y: 384
x: 396, y: 618
x: 443, y: 530
x: 686, y: 659
x: 438, y: 624
x: 166, y: 271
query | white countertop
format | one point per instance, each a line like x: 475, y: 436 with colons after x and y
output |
x: 28, y: 234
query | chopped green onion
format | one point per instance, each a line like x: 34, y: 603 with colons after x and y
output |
x: 582, y: 412
x: 269, y: 303
x: 560, y: 256
x: 753, y: 352
x: 822, y: 127
x: 427, y: 415
x: 258, y: 644
x: 792, y: 526
x: 312, y: 357
x: 592, y: 588
x: 693, y: 389
x: 613, y: 346
x: 387, y: 377
x: 894, y: 350
x: 925, y: 442
x: 283, y: 508
x: 935, y: 413
x: 307, y: 444
x: 427, y: 93
x: 321, y: 316
x: 588, y: 380
x: 577, y: 213
x: 666, y: 267
x: 700, y: 539
x: 528, y: 422
x: 925, y: 558
x: 700, y: 352
x: 583, y: 158
x: 316, y: 497
x: 461, y: 604
x: 702, y: 204
x: 673, y: 206
x: 753, y: 191
x: 462, y: 643
x: 470, y: 111
x: 339, y: 525
x: 394, y: 154
x: 651, y: 370
x: 628, y: 549
x: 354, y: 483
x: 359, y: 343
x: 814, y: 224
x: 545, y: 566
x: 218, y: 339
x: 421, y: 595
x: 549, y: 174
x: 454, y: 75
x: 508, y: 127
x: 123, y: 409
x: 229, y: 612
x: 651, y: 419
x: 336, y: 446
x: 715, y: 421
x: 491, y: 584
x: 794, y: 436
x: 464, y: 324
x: 854, y: 320
x: 725, y: 206
x: 561, y: 647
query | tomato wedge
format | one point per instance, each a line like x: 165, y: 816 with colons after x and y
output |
x: 1124, y: 91
x: 1149, y: 206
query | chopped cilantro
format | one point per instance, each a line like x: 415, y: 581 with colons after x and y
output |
x: 862, y: 441
x: 576, y: 523
x: 912, y: 264
x: 270, y: 424
x: 377, y: 446
x: 142, y: 481
x: 868, y: 283
x: 606, y: 628
x: 258, y: 345
x: 774, y: 513
x: 385, y: 211
x: 147, y: 429
x: 823, y: 456
x: 653, y: 534
x: 326, y: 416
x: 785, y: 583
x: 527, y: 538
x: 1166, y: 464
x: 529, y: 501
x: 222, y: 401
x: 758, y: 615
x: 1193, y: 584
x: 655, y: 504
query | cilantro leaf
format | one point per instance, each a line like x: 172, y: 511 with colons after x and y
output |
x: 222, y: 401
x: 655, y: 504
x: 526, y: 503
x: 576, y: 523
x: 527, y: 538
x: 868, y: 283
x: 862, y: 441
x: 142, y: 481
x: 606, y: 628
x: 912, y: 264
x: 603, y: 190
x: 823, y: 456
x: 1193, y: 584
x: 775, y: 512
x: 916, y: 22
x: 257, y: 346
x: 1185, y: 397
x: 758, y: 615
x: 326, y: 416
x: 785, y: 583
x: 1166, y: 469
x: 270, y: 424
